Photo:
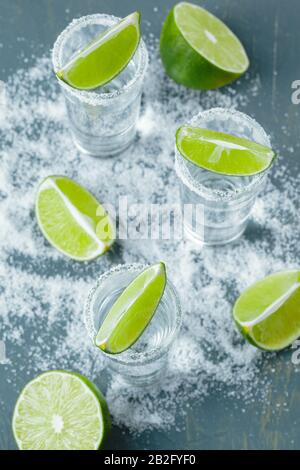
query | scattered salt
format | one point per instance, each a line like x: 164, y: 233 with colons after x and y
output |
x: 42, y: 293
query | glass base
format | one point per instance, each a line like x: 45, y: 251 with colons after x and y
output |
x: 105, y: 147
x: 215, y: 236
x: 138, y: 381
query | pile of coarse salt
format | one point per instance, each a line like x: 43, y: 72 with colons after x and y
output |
x: 42, y: 293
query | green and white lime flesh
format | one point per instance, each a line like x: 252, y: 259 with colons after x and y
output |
x: 60, y: 410
x: 105, y: 58
x: 223, y: 153
x: 268, y: 312
x: 200, y: 51
x: 132, y: 311
x: 72, y: 220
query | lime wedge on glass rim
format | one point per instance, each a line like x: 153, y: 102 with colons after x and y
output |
x: 222, y: 153
x: 268, y: 312
x: 200, y: 51
x: 104, y: 58
x: 132, y: 311
x: 72, y: 220
x: 60, y: 410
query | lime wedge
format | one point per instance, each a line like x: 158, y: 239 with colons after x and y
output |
x: 103, y: 59
x: 200, y: 51
x: 222, y: 153
x: 132, y: 311
x: 268, y: 312
x: 60, y: 410
x: 72, y: 220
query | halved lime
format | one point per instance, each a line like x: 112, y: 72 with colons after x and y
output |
x: 72, y: 220
x: 60, y: 410
x: 103, y: 59
x: 268, y: 312
x: 200, y: 51
x: 222, y: 153
x: 132, y: 311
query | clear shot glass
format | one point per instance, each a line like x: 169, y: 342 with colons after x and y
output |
x: 145, y: 362
x: 221, y: 205
x: 102, y: 121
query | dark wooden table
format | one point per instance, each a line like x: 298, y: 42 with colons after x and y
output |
x: 270, y: 32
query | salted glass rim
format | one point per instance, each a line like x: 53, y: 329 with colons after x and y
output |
x: 181, y: 165
x: 90, y: 96
x: 133, y: 357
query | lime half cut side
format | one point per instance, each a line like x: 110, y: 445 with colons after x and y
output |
x: 60, y: 410
x: 268, y: 312
x: 72, y: 219
x: 223, y: 153
x: 132, y: 311
x: 200, y: 51
x: 103, y: 59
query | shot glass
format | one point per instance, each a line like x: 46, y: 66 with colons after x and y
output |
x: 146, y: 361
x: 102, y: 121
x: 221, y: 205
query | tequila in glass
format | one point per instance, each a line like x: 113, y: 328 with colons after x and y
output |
x: 102, y: 121
x: 146, y: 360
x: 221, y: 204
